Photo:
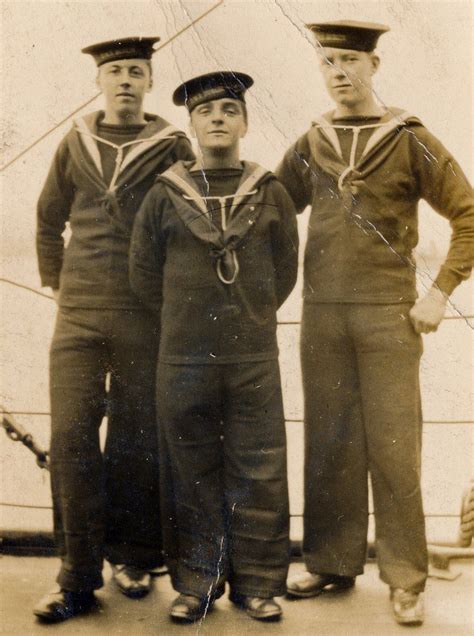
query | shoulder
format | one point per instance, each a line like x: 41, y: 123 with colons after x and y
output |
x: 156, y: 124
x: 276, y: 189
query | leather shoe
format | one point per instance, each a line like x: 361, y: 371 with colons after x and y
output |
x: 308, y: 585
x: 131, y: 581
x: 60, y: 605
x: 262, y: 609
x: 188, y: 609
x: 407, y: 607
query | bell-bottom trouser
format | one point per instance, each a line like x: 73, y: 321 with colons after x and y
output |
x: 104, y: 504
x: 360, y: 367
x: 224, y: 484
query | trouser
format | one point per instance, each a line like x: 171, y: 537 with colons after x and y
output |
x: 360, y: 368
x: 104, y: 505
x: 225, y: 506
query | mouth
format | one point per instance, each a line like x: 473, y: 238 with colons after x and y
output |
x: 218, y: 132
x: 125, y: 95
x: 341, y: 86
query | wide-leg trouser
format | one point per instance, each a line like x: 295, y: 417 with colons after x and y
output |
x: 104, y: 505
x: 225, y: 507
x: 360, y: 368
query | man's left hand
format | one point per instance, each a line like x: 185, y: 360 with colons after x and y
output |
x: 428, y: 312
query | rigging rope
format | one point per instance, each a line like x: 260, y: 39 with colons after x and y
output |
x: 89, y: 101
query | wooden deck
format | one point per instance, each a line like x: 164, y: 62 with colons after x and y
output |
x: 365, y: 610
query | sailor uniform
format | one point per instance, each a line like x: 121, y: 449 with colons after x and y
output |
x: 102, y: 327
x: 217, y: 261
x: 360, y: 354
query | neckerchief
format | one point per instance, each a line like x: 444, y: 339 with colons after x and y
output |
x: 190, y: 205
x: 326, y: 152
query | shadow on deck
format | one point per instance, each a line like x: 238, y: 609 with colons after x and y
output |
x: 364, y: 610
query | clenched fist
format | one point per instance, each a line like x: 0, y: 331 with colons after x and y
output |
x: 428, y: 312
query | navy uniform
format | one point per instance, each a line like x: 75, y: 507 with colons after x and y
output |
x: 363, y: 175
x: 215, y: 253
x: 104, y: 505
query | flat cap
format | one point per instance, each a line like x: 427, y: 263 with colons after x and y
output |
x: 123, y: 49
x: 348, y: 34
x: 206, y: 88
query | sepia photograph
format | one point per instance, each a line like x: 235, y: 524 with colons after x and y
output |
x: 237, y: 317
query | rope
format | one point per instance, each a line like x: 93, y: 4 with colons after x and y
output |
x: 12, y: 505
x: 460, y: 317
x: 89, y: 101
x: 280, y: 322
x: 21, y: 286
x: 459, y: 422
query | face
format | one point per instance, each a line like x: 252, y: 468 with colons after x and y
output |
x: 348, y: 74
x: 219, y: 124
x: 124, y: 84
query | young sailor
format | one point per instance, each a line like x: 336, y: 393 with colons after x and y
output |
x: 103, y: 505
x: 214, y: 250
x: 363, y: 168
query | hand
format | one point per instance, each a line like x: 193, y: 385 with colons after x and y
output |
x: 428, y: 312
x: 55, y: 295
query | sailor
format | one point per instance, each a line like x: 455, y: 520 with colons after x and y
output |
x: 214, y: 251
x: 104, y: 505
x: 363, y: 168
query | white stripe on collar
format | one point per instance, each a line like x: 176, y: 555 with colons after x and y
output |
x: 245, y: 189
x: 188, y: 189
x: 383, y: 129
x: 141, y: 146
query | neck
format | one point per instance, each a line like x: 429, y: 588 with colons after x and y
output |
x: 124, y: 118
x: 220, y: 158
x: 366, y: 108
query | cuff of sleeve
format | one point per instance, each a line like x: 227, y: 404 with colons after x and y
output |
x: 50, y: 281
x: 447, y: 281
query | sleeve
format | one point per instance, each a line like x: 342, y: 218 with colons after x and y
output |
x: 53, y: 211
x: 284, y: 244
x: 294, y: 173
x: 444, y: 186
x: 147, y: 253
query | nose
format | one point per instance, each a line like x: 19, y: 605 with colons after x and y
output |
x: 338, y: 72
x: 124, y: 78
x: 217, y: 118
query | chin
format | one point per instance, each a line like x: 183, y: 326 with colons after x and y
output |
x: 126, y: 111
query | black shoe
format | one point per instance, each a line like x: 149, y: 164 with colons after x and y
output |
x: 60, y: 605
x: 188, y: 609
x: 261, y: 609
x: 308, y: 585
x: 131, y: 581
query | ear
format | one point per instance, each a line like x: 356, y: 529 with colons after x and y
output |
x: 97, y: 79
x: 150, y: 84
x: 244, y: 130
x: 375, y: 62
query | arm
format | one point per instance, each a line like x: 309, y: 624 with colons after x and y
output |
x: 444, y: 186
x: 294, y: 173
x: 284, y: 244
x: 53, y: 211
x: 147, y: 257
